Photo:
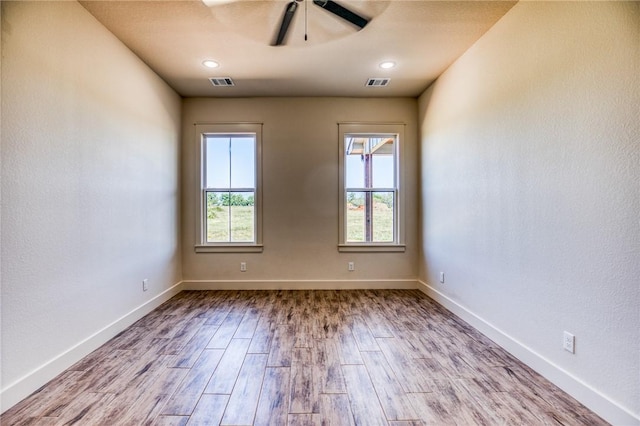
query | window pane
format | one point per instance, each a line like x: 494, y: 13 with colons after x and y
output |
x: 383, y: 170
x: 355, y: 217
x: 217, y: 162
x: 217, y: 217
x: 243, y: 162
x: 370, y: 162
x: 354, y: 172
x: 382, y: 217
x: 242, y: 207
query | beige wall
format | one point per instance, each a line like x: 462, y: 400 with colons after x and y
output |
x: 530, y: 171
x: 89, y: 189
x: 300, y: 184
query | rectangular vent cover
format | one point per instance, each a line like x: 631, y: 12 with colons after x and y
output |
x: 221, y: 81
x: 378, y: 82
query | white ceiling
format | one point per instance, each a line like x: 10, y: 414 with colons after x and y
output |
x: 174, y: 37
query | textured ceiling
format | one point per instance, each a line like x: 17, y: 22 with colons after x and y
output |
x: 174, y: 37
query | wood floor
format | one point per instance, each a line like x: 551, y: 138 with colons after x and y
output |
x: 388, y: 357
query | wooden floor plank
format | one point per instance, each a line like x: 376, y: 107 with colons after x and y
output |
x: 348, y: 349
x: 247, y: 326
x: 191, y: 351
x: 170, y: 421
x: 273, y: 405
x: 391, y: 395
x: 378, y: 324
x: 459, y: 404
x: 225, y: 332
x: 143, y: 399
x: 185, y: 398
x: 303, y: 393
x: 335, y: 410
x: 209, y: 410
x: 328, y: 375
x: 430, y: 409
x: 262, y: 336
x: 363, y: 399
x: 81, y: 410
x: 216, y: 316
x: 44, y: 400
x: 304, y: 420
x: 226, y: 373
x: 243, y: 401
x: 282, y: 346
x: 362, y: 334
x: 186, y: 332
x: 415, y: 375
x: 304, y: 332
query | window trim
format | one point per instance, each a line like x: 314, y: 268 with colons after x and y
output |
x: 396, y: 129
x: 201, y: 131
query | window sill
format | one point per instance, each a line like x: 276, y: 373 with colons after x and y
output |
x: 235, y: 248
x: 371, y: 248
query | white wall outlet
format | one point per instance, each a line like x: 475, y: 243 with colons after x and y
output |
x: 569, y: 342
x: 243, y: 266
x: 145, y: 284
x: 351, y: 266
x: 442, y: 277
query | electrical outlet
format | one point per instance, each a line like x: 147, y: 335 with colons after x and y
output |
x: 442, y: 277
x: 569, y: 342
x: 243, y: 266
x: 145, y: 284
x: 352, y: 266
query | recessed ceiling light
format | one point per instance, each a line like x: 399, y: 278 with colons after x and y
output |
x: 210, y: 64
x: 387, y: 64
x: 215, y: 2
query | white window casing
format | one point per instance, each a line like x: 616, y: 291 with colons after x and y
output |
x: 348, y: 132
x: 231, y: 130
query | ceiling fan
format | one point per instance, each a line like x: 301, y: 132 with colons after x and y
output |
x: 328, y: 5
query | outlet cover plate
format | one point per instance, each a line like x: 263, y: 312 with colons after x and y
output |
x: 569, y: 342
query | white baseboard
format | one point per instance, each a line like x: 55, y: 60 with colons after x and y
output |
x: 298, y: 284
x: 587, y: 395
x: 25, y: 386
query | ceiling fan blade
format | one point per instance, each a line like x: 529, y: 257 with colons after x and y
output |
x: 342, y: 12
x: 286, y: 20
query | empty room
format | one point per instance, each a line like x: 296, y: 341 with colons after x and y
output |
x: 312, y: 212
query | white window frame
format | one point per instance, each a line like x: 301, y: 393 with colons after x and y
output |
x: 227, y: 129
x: 372, y: 129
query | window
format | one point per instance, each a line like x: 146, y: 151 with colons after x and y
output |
x: 229, y: 188
x: 371, y: 197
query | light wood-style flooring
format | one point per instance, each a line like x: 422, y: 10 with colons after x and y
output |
x: 383, y: 357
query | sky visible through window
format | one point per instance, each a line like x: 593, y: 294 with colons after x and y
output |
x: 382, y: 169
x: 230, y: 162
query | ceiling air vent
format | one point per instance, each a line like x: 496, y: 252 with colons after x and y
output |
x: 221, y: 81
x: 377, y: 82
